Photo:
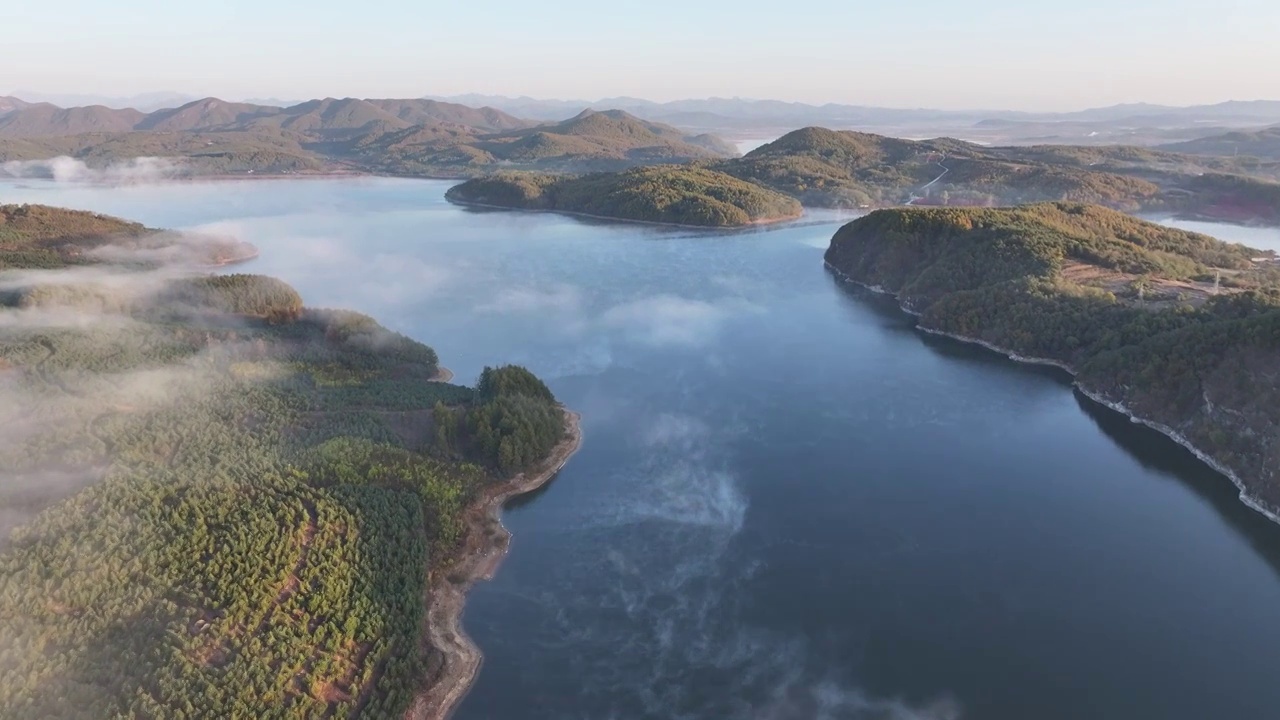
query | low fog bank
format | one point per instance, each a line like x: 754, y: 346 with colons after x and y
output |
x: 64, y: 169
x: 80, y: 353
x: 181, y: 249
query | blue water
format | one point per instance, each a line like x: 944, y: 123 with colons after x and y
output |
x: 789, y: 503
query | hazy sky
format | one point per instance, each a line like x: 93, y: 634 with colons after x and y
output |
x: 1025, y: 54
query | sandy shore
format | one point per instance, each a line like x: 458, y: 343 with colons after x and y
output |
x: 457, y: 659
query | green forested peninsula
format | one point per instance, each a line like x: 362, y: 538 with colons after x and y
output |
x: 215, y: 501
x: 1180, y: 329
x: 680, y: 195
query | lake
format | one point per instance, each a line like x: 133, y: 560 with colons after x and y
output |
x: 789, y: 504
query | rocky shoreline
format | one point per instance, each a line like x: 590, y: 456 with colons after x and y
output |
x: 457, y: 658
x: 1097, y: 397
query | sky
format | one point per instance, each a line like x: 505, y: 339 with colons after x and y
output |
x: 989, y: 54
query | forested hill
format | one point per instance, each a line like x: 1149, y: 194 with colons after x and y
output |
x: 667, y: 194
x: 215, y: 501
x: 400, y: 137
x: 1180, y: 328
x: 827, y: 168
x: 38, y: 236
x: 1263, y: 144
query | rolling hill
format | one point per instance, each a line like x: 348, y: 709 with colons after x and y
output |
x: 674, y: 195
x: 9, y: 104
x: 829, y: 168
x: 43, y: 119
x: 406, y: 137
x: 1263, y: 144
x: 206, y: 114
x: 590, y: 141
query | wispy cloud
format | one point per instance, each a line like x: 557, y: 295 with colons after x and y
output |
x: 671, y: 320
x: 557, y: 299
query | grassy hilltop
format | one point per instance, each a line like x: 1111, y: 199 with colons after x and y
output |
x: 218, y: 502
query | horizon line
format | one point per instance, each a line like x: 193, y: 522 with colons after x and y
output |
x: 455, y: 98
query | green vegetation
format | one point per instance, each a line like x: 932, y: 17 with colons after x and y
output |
x: 38, y: 236
x: 592, y: 141
x: 1179, y: 327
x: 200, y: 153
x: 826, y: 168
x: 250, y: 295
x: 233, y: 512
x: 1263, y: 144
x: 35, y: 236
x: 819, y: 167
x: 991, y: 182
x: 400, y: 137
x: 662, y: 194
x: 1233, y: 198
x: 513, y: 424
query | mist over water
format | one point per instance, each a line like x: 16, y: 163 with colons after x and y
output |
x: 142, y: 170
x: 1263, y: 238
x: 789, y: 504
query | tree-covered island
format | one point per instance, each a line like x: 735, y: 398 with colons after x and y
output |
x: 667, y: 194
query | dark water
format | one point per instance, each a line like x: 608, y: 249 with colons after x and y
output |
x: 789, y: 504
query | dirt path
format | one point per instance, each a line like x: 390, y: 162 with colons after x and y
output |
x: 483, y: 551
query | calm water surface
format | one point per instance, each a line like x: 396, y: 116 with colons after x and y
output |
x: 789, y: 503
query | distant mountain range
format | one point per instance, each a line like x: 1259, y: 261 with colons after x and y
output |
x: 1221, y: 172
x: 1264, y: 144
x: 145, y: 102
x: 327, y: 117
x: 1138, y: 123
x: 1129, y: 124
x: 393, y: 136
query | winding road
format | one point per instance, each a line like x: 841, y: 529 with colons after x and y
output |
x: 916, y: 196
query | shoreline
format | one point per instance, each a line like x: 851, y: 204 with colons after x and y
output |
x: 1249, y: 500
x: 1245, y: 497
x: 1252, y: 222
x: 628, y: 221
x: 483, y: 551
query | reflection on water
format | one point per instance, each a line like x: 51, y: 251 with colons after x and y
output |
x: 789, y: 503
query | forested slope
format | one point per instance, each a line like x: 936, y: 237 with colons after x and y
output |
x: 1180, y: 328
x: 220, y: 503
x: 828, y: 168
